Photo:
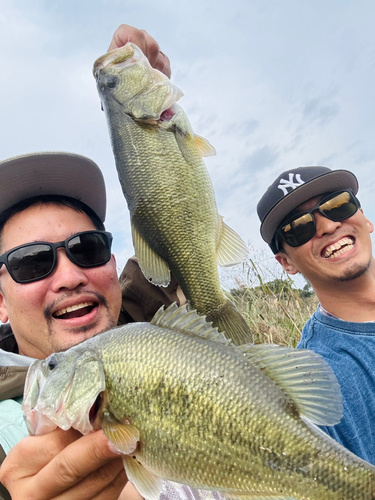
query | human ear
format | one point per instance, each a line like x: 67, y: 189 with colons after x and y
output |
x: 3, y: 309
x: 113, y: 261
x: 369, y: 224
x: 287, y: 264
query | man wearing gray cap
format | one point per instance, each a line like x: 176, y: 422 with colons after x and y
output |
x: 58, y: 287
x: 314, y: 224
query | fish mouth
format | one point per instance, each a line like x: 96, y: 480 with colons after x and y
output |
x: 167, y: 115
x: 95, y: 409
x: 75, y: 311
x: 338, y: 248
x: 121, y: 56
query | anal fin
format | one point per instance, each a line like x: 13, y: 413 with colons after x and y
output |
x: 154, y: 268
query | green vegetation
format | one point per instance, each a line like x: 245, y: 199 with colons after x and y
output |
x: 274, y: 306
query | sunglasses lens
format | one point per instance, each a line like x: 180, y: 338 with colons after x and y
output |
x: 31, y: 262
x: 340, y: 207
x: 90, y: 249
x: 299, y: 231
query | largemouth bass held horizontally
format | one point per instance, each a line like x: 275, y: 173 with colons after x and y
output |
x: 201, y: 411
x: 174, y: 218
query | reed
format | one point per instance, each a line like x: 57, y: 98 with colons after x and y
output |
x: 275, y: 306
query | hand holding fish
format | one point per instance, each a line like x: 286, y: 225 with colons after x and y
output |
x: 64, y: 464
x: 145, y: 42
x: 203, y: 412
x: 176, y: 227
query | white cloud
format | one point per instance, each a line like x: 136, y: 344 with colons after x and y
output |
x: 272, y: 85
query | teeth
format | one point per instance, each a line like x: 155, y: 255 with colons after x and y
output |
x: 73, y: 308
x: 343, y: 250
x: 342, y: 246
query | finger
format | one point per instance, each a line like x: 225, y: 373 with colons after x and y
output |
x: 148, y: 45
x: 34, y: 453
x: 114, y: 489
x: 125, y: 34
x: 163, y: 64
x: 130, y: 493
x: 107, y: 482
x: 72, y: 465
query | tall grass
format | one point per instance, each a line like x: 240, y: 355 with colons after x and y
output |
x: 275, y: 306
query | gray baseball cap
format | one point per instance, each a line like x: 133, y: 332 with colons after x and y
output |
x: 51, y: 172
x: 294, y: 187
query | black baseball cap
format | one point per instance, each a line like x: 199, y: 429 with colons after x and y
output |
x: 294, y: 187
x: 51, y: 172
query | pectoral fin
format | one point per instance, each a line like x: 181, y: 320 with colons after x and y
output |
x: 125, y: 437
x: 231, y: 248
x: 148, y: 485
x: 204, y: 147
x: 154, y: 268
x: 186, y: 139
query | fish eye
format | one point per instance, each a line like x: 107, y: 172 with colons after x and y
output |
x: 52, y: 363
x: 112, y: 81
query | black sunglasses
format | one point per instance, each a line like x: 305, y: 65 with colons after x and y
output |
x: 35, y: 261
x: 300, y: 228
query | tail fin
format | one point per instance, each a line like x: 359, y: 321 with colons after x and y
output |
x: 230, y: 321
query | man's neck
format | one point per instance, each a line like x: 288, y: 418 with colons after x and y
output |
x: 352, y: 300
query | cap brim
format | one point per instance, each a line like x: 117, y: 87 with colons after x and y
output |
x: 52, y: 172
x: 329, y: 182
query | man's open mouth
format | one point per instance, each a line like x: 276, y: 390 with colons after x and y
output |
x: 75, y: 311
x: 339, y: 248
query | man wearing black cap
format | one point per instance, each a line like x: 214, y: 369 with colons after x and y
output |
x: 313, y: 222
x: 58, y: 287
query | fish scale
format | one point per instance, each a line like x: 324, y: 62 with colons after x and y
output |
x: 150, y: 210
x: 202, y: 412
x: 262, y: 424
x: 175, y: 223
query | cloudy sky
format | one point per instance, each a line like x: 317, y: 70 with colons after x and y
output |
x: 272, y: 84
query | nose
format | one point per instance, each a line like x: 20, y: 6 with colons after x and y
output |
x: 66, y: 274
x: 324, y: 225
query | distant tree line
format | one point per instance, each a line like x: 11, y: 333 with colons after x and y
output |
x: 282, y: 288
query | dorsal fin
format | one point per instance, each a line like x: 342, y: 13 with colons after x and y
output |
x: 188, y: 321
x: 304, y: 376
x: 231, y: 249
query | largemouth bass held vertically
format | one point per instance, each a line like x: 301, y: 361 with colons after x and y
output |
x: 184, y: 404
x: 174, y: 218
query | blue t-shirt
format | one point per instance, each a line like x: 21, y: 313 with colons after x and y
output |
x: 349, y: 348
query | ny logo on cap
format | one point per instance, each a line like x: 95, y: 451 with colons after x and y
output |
x: 284, y: 185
